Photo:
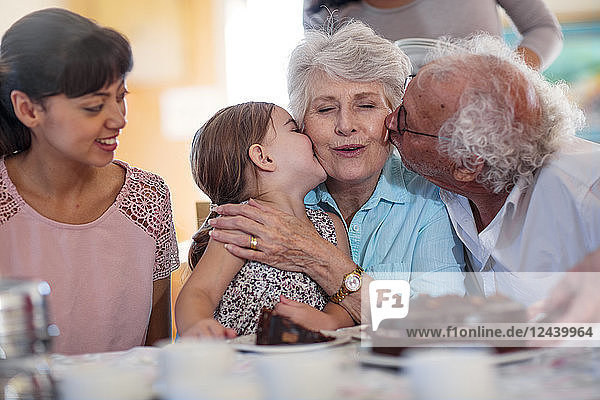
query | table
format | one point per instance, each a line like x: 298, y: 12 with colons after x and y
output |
x: 337, y: 372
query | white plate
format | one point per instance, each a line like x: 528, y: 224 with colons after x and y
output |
x: 357, y: 332
x: 366, y: 356
x: 248, y: 343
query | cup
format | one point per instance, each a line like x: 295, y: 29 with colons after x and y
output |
x: 194, y: 369
x: 104, y: 381
x: 300, y: 376
x: 451, y: 374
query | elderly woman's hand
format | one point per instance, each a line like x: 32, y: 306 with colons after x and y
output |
x: 285, y: 242
x: 281, y: 240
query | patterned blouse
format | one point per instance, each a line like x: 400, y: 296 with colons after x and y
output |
x: 259, y: 285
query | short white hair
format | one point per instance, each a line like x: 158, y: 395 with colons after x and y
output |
x: 350, y: 51
x: 490, y: 124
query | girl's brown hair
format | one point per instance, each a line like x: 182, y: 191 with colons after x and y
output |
x: 220, y: 161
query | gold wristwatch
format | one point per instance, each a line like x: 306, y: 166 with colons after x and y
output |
x: 350, y: 284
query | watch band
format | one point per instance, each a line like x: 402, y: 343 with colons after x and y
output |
x: 341, y: 294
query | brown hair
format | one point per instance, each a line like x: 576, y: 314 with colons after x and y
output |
x: 220, y: 161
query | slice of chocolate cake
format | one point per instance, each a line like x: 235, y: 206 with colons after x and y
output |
x: 275, y: 329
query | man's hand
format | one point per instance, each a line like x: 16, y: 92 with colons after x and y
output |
x: 576, y: 298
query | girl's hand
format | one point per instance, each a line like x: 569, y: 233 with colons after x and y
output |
x: 305, y: 315
x: 209, y: 328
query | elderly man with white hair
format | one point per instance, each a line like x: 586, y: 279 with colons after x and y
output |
x: 523, y: 193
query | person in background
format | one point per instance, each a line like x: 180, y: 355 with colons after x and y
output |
x: 99, y: 231
x: 342, y: 83
x: 254, y: 150
x: 540, y: 45
x: 522, y: 192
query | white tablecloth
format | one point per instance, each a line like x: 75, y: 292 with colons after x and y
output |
x: 557, y: 373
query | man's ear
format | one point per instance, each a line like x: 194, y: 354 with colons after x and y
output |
x: 26, y: 110
x: 462, y: 173
x: 261, y: 158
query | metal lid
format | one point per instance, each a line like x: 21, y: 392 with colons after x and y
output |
x: 417, y: 49
x: 23, y: 317
x: 26, y: 378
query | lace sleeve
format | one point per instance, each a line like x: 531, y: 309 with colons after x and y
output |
x: 8, y: 205
x: 167, y: 254
x: 147, y: 202
x: 10, y: 201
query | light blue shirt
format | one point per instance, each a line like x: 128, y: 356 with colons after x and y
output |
x: 403, y: 232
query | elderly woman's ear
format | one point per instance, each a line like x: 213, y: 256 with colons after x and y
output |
x: 261, y: 157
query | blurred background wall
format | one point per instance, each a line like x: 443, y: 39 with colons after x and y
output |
x: 194, y: 56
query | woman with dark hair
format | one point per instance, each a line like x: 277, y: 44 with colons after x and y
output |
x: 99, y: 231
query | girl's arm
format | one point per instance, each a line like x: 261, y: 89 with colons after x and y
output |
x: 203, y: 290
x: 333, y: 316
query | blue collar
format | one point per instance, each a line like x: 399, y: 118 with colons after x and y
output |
x: 391, y: 187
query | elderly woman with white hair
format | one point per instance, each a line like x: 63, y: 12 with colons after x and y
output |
x: 342, y: 83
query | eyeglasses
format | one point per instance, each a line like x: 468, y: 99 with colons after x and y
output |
x: 401, y: 117
x: 407, y: 80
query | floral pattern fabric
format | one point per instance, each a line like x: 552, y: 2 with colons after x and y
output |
x: 259, y: 285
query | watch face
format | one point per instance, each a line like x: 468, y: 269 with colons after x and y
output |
x: 353, y: 282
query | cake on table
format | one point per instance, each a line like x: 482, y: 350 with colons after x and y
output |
x: 275, y: 329
x: 450, y: 315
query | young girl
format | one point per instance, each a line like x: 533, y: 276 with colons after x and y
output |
x: 97, y: 230
x: 253, y: 150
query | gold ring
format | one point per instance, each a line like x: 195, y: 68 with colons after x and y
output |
x: 253, y: 242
